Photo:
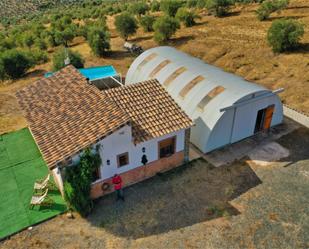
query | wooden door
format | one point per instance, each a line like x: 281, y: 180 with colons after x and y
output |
x: 268, y: 116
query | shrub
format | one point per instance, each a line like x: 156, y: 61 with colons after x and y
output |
x: 14, y: 64
x: 218, y: 7
x: 126, y: 25
x: 147, y: 22
x: 77, y: 183
x: 98, y: 40
x: 186, y: 16
x: 284, y: 35
x: 170, y: 7
x: 164, y: 28
x: 270, y: 6
x: 59, y: 57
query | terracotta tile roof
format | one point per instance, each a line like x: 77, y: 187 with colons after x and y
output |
x: 153, y: 111
x: 66, y: 114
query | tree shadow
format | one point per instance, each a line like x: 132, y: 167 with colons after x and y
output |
x: 118, y: 54
x: 141, y: 38
x: 184, y: 196
x: 297, y: 142
x: 180, y: 40
x: 232, y: 13
x: 273, y: 18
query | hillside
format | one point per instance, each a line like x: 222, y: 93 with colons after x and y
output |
x: 17, y: 8
x: 237, y: 43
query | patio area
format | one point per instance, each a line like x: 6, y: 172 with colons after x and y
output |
x: 21, y: 164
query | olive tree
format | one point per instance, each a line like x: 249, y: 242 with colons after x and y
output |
x: 170, y: 7
x: 60, y: 56
x: 98, y: 40
x: 14, y: 64
x: 284, y: 35
x: 186, y: 16
x: 147, y: 22
x: 269, y: 6
x: 126, y: 25
x: 218, y: 7
x: 164, y: 28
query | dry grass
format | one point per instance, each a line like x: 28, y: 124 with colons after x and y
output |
x: 197, y: 206
x: 236, y: 43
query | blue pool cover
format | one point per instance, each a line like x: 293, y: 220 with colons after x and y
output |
x: 94, y: 73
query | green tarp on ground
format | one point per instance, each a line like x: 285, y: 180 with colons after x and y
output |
x: 21, y: 164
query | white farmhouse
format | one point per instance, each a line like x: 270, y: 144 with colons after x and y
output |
x: 66, y: 115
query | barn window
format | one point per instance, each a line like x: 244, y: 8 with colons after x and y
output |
x: 167, y: 147
x: 147, y: 59
x: 213, y: 93
x: 184, y: 91
x: 159, y: 67
x: 174, y: 75
x: 123, y: 159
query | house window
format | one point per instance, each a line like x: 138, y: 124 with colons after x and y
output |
x: 123, y: 159
x: 167, y: 147
x: 96, y: 175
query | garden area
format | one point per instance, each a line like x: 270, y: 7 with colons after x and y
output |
x: 21, y: 164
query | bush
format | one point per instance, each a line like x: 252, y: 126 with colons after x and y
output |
x: 170, y: 7
x: 270, y: 6
x: 186, y: 16
x: 59, y: 57
x: 164, y: 28
x: 14, y: 64
x: 284, y: 35
x: 147, y: 22
x: 98, y: 40
x: 126, y: 25
x: 77, y: 183
x: 218, y: 7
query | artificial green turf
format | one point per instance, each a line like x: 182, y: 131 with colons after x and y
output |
x: 21, y: 164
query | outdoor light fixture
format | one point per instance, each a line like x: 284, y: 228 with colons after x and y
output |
x: 108, y: 162
x: 143, y: 149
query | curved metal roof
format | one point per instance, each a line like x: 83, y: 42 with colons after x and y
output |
x: 176, y: 70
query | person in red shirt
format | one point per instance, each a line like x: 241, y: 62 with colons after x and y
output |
x: 117, y: 181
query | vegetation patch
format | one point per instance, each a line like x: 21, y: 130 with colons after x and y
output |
x: 78, y: 179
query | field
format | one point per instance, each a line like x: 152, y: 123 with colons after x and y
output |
x: 249, y: 203
x: 21, y: 164
x: 237, y: 43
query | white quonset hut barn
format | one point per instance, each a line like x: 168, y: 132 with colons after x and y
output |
x: 225, y: 108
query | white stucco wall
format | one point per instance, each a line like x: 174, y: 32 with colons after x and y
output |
x: 121, y: 142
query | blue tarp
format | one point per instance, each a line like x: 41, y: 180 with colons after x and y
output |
x: 94, y: 73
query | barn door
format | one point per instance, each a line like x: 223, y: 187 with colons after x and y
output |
x: 268, y: 117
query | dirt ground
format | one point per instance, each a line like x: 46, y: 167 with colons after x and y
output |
x: 236, y: 43
x: 243, y: 204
